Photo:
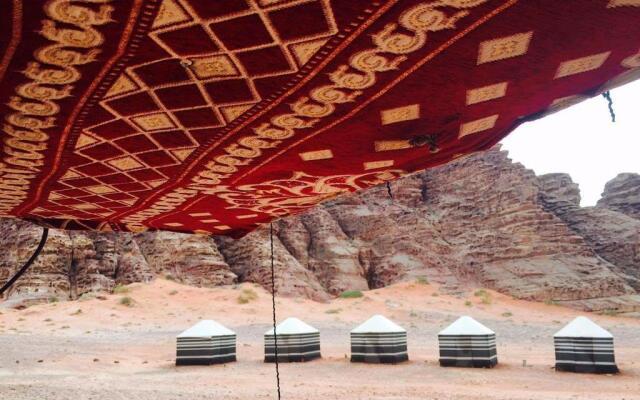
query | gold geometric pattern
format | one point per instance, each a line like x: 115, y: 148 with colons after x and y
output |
x: 232, y: 112
x: 632, y: 61
x: 282, y: 196
x: 122, y: 85
x: 84, y: 140
x: 316, y: 155
x: 154, y: 122
x: 478, y: 125
x: 152, y: 131
x: 486, y: 93
x: 564, y: 102
x: 157, y: 182
x: 505, y: 47
x: 580, y: 65
x: 70, y: 174
x: 72, y: 40
x: 246, y: 216
x: 387, y: 145
x: 623, y: 3
x: 202, y: 214
x: 102, y: 189
x: 390, y: 47
x: 377, y: 164
x: 405, y: 113
x: 153, y: 128
x: 169, y: 13
x: 214, y: 66
x: 125, y: 163
x: 305, y: 50
x: 182, y: 154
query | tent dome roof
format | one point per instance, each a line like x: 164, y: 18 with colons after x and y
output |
x: 378, y: 324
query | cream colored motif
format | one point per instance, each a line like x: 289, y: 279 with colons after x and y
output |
x: 52, y: 75
x: 214, y: 66
x: 125, y: 163
x: 564, y: 102
x: 283, y: 196
x: 478, y: 125
x: 580, y: 65
x: 202, y: 214
x: 154, y: 122
x: 182, y: 154
x: 623, y: 3
x: 632, y: 61
x: 316, y: 155
x: 388, y: 145
x: 246, y: 216
x: 102, y: 189
x: 170, y: 13
x: 122, y: 85
x: 391, y: 44
x: 486, y: 93
x: 406, y: 113
x: 504, y: 47
x: 305, y: 50
x: 377, y: 164
x: 84, y: 140
x: 207, y: 71
x: 232, y: 112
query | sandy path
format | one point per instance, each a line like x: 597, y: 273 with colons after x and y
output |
x: 48, y: 351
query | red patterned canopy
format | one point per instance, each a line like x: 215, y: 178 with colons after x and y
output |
x: 216, y: 116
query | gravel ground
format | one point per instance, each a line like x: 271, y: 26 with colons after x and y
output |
x: 108, y: 351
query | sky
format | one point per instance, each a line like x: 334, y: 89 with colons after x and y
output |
x: 583, y: 142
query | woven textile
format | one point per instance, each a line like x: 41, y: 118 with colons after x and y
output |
x: 217, y: 116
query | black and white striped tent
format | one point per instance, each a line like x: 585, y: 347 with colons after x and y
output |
x: 583, y: 346
x: 207, y: 342
x: 297, y: 341
x: 379, y: 340
x: 467, y: 343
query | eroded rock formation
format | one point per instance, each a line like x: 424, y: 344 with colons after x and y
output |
x: 480, y: 221
x: 622, y: 194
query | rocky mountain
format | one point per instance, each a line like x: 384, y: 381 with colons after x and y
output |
x: 481, y: 221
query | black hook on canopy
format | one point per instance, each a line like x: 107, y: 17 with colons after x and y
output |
x: 425, y: 140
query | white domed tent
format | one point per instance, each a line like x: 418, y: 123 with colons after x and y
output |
x: 467, y: 343
x: 379, y: 340
x: 584, y: 346
x: 207, y: 342
x: 297, y: 341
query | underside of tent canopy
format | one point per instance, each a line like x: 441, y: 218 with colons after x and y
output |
x: 215, y: 117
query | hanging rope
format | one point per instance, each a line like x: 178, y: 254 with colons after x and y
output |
x: 273, y: 309
x: 21, y: 271
x: 389, y: 191
x: 607, y: 96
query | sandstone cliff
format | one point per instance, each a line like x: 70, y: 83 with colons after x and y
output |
x: 622, y: 194
x: 480, y: 221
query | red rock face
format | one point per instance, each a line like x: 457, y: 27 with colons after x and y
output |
x: 480, y: 221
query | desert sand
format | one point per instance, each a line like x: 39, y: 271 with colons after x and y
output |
x: 101, y: 349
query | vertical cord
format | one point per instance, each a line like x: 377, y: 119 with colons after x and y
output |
x: 389, y: 191
x: 23, y: 269
x: 273, y: 306
x: 607, y: 96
